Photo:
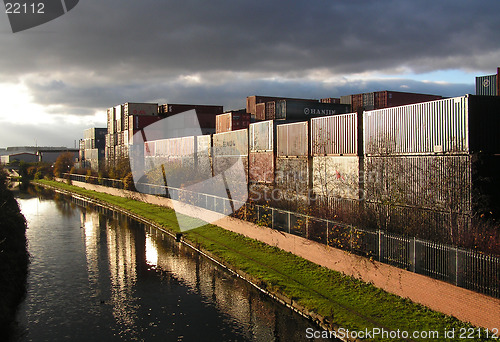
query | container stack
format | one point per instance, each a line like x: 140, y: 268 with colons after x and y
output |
x: 94, y: 145
x: 232, y: 121
x: 336, y: 162
x: 261, y: 159
x: 293, y: 162
x: 425, y: 162
x: 230, y: 151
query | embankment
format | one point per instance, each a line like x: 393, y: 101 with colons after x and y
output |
x: 14, y: 256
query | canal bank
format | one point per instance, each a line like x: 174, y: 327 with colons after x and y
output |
x: 336, y: 300
x: 14, y: 257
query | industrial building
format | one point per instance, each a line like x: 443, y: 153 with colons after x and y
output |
x: 92, y: 148
x: 19, y: 157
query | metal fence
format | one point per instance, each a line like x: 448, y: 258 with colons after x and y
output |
x: 464, y: 268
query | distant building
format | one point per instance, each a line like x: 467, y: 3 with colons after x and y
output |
x: 489, y: 84
x: 50, y: 156
x: 23, y: 156
x: 92, y: 148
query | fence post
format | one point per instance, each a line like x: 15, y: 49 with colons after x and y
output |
x: 456, y: 266
x: 289, y: 222
x: 380, y: 245
x: 272, y: 218
x: 413, y: 256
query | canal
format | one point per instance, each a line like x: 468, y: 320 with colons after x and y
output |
x: 97, y: 275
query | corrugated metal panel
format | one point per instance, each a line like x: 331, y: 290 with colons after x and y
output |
x: 346, y: 99
x: 223, y: 123
x: 432, y: 182
x: 224, y: 164
x: 270, y: 110
x: 261, y: 167
x: 486, y: 85
x: 423, y: 128
x: 335, y: 135
x: 231, y: 143
x: 292, y: 174
x: 260, y: 111
x: 336, y: 176
x: 261, y: 136
x: 203, y: 156
x: 292, y: 139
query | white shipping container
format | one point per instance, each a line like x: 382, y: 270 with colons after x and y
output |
x: 424, y: 128
x: 261, y: 137
x: 335, y: 135
x: 292, y: 139
x: 336, y: 176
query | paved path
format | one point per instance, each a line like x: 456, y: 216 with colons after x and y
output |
x: 466, y: 305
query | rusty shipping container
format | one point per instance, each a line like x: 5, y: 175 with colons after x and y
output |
x: 271, y: 110
x: 459, y: 125
x: 261, y: 167
x: 293, y: 174
x: 335, y: 135
x: 337, y: 176
x: 292, y: 139
x: 330, y: 100
x: 303, y: 110
x: 131, y: 108
x: 232, y: 121
x: 260, y: 111
x: 387, y: 99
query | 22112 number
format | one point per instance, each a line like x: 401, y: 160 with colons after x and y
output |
x: 17, y: 8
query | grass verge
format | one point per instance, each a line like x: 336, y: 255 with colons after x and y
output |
x: 342, y: 301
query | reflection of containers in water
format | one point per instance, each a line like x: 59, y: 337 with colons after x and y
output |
x: 335, y: 135
x: 303, y: 110
x: 336, y: 176
x: 261, y: 167
x: 292, y: 139
x: 232, y: 121
x: 464, y: 124
x: 293, y: 174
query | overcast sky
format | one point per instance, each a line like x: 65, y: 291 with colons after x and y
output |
x: 58, y: 78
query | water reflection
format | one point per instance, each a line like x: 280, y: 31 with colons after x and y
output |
x: 98, y: 275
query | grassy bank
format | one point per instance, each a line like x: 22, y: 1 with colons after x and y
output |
x: 342, y: 301
x: 14, y: 257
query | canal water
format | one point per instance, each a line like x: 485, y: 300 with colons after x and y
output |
x: 96, y: 275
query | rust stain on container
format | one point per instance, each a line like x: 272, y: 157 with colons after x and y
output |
x: 261, y: 167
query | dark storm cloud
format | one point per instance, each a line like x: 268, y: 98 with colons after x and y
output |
x: 107, y: 52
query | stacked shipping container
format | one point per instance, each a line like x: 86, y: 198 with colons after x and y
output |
x: 431, y: 157
x: 261, y: 152
x: 293, y: 162
x: 232, y: 121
